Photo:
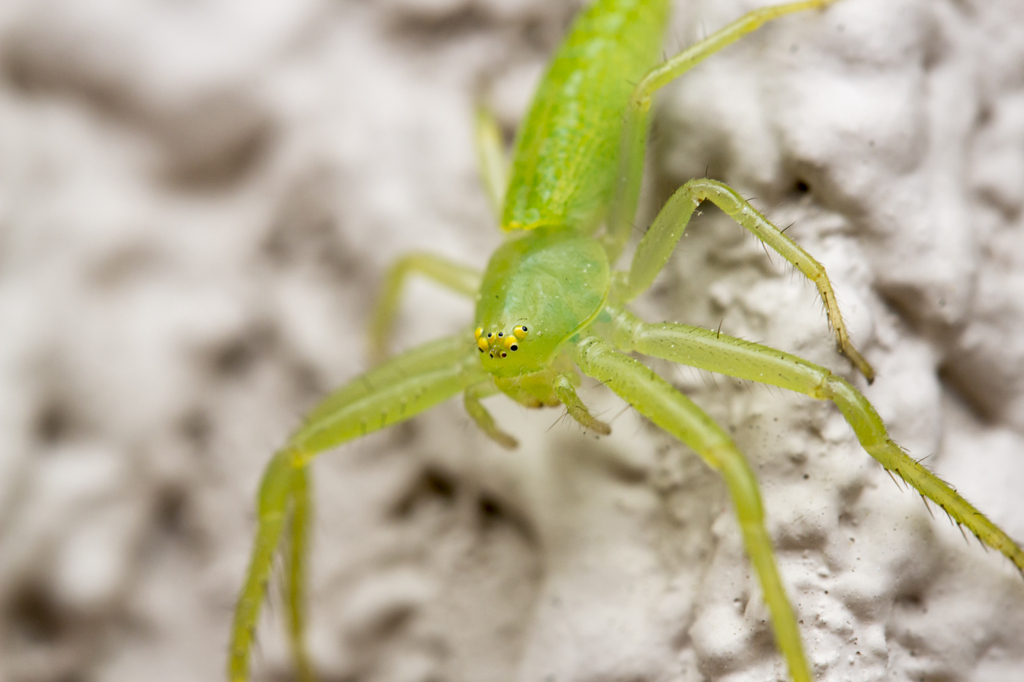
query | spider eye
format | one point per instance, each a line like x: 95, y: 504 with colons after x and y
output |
x: 513, y: 347
x: 520, y: 332
x: 504, y: 355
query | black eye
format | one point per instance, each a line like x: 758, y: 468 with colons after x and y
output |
x: 514, y: 347
x: 489, y: 335
x: 525, y: 329
x: 501, y: 334
x: 481, y: 350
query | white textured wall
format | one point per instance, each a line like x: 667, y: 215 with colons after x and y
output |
x: 197, y: 201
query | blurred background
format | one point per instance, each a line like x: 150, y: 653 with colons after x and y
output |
x: 199, y: 198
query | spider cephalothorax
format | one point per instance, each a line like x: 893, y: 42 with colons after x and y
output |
x: 538, y: 290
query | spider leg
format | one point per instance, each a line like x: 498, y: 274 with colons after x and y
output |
x: 657, y: 245
x: 492, y: 157
x: 298, y: 543
x: 655, y: 398
x: 633, y: 144
x: 724, y: 354
x: 454, y: 276
x: 483, y: 418
x: 276, y: 492
x: 566, y: 392
x: 395, y: 391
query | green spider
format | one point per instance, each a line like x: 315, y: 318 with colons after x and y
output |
x: 549, y: 306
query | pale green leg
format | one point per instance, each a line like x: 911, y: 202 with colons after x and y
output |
x: 483, y: 418
x: 633, y: 145
x: 298, y: 541
x: 275, y: 492
x: 565, y: 389
x: 724, y: 354
x: 657, y: 245
x: 397, y: 390
x: 654, y: 398
x: 459, y: 278
x: 492, y: 158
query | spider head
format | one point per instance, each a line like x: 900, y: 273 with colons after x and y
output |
x: 538, y: 291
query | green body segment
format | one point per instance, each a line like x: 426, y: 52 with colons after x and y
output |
x: 551, y: 282
x: 566, y: 153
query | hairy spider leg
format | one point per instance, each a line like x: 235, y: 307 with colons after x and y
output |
x: 665, y: 232
x: 655, y: 398
x: 295, y: 582
x: 491, y: 157
x: 273, y: 499
x: 565, y: 389
x: 660, y: 240
x: 393, y: 392
x: 715, y: 352
x: 483, y: 419
x: 456, y: 277
x: 633, y: 144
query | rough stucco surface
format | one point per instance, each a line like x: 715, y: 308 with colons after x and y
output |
x: 197, y: 201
